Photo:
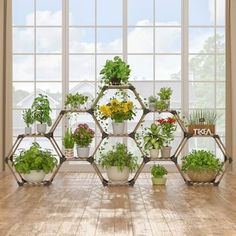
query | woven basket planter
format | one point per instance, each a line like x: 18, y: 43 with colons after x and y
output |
x: 201, y: 176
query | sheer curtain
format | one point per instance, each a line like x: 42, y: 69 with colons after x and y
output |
x: 5, y: 80
x: 231, y: 80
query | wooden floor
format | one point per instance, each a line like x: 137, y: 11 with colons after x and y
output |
x: 78, y: 204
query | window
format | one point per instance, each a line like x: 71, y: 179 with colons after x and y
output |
x: 60, y: 47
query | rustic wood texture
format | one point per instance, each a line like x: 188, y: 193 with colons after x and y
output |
x: 77, y: 204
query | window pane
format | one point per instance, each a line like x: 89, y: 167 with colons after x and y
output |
x: 140, y: 40
x: 109, y: 12
x: 168, y: 40
x: 82, y: 40
x: 220, y: 122
x: 201, y: 95
x: 202, y: 67
x: 220, y: 95
x: 53, y: 91
x: 220, y: 40
x: 220, y: 67
x: 168, y: 67
x: 23, y: 68
x: 82, y: 68
x: 141, y: 67
x: 49, y: 12
x: 23, y: 95
x: 48, y: 40
x: 201, y: 12
x: 145, y: 89
x: 82, y: 12
x: 48, y: 67
x: 202, y: 143
x: 23, y: 40
x: 109, y: 40
x: 175, y: 101
x: 220, y: 12
x: 18, y: 122
x: 201, y: 40
x: 140, y: 12
x: 168, y: 12
x: 23, y: 12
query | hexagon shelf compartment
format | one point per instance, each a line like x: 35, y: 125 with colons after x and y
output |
x: 107, y: 135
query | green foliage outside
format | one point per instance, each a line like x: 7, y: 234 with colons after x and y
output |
x: 201, y: 160
x: 158, y: 171
x: 35, y: 158
x: 119, y: 156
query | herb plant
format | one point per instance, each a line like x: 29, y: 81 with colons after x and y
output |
x: 153, y: 138
x: 28, y: 117
x: 165, y: 93
x: 35, y: 158
x: 158, y: 171
x: 120, y: 157
x: 41, y: 110
x: 83, y: 135
x: 74, y: 100
x: 161, y: 105
x: 201, y: 117
x: 201, y: 160
x: 68, y: 140
x: 115, y: 70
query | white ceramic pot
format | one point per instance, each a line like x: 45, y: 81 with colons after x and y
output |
x: 115, y: 175
x: 28, y: 130
x: 34, y: 176
x: 82, y: 152
x: 69, y: 153
x: 152, y: 106
x: 118, y: 128
x: 41, y: 128
x: 166, y: 151
x: 154, y: 153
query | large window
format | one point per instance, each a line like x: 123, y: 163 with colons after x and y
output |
x: 60, y: 47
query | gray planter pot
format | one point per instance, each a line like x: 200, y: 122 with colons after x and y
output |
x: 154, y: 153
x: 41, y: 128
x: 82, y: 152
x: 28, y: 130
x: 166, y: 152
x: 115, y: 175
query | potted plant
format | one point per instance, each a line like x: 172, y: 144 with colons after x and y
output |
x: 119, y: 162
x: 115, y: 72
x: 165, y: 94
x: 168, y: 127
x: 118, y: 111
x: 201, y: 166
x: 200, y: 122
x: 68, y: 142
x: 73, y: 101
x: 158, y: 175
x: 152, y: 100
x: 83, y: 137
x: 28, y: 118
x: 153, y: 140
x: 161, y: 105
x: 41, y: 112
x: 34, y: 163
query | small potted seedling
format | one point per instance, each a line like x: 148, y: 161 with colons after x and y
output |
x: 74, y: 101
x: 152, y: 103
x: 165, y: 94
x: 68, y: 142
x: 158, y: 175
x: 28, y: 118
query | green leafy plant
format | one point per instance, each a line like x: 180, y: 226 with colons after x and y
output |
x: 74, y: 100
x: 28, y: 117
x: 158, y: 171
x: 115, y: 71
x: 119, y: 156
x: 153, y: 138
x: 41, y: 110
x: 196, y: 117
x: 161, y: 105
x: 165, y: 93
x: 68, y: 140
x: 83, y: 135
x: 201, y: 160
x: 152, y: 99
x: 35, y: 158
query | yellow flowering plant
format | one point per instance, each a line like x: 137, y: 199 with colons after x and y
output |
x: 118, y: 111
